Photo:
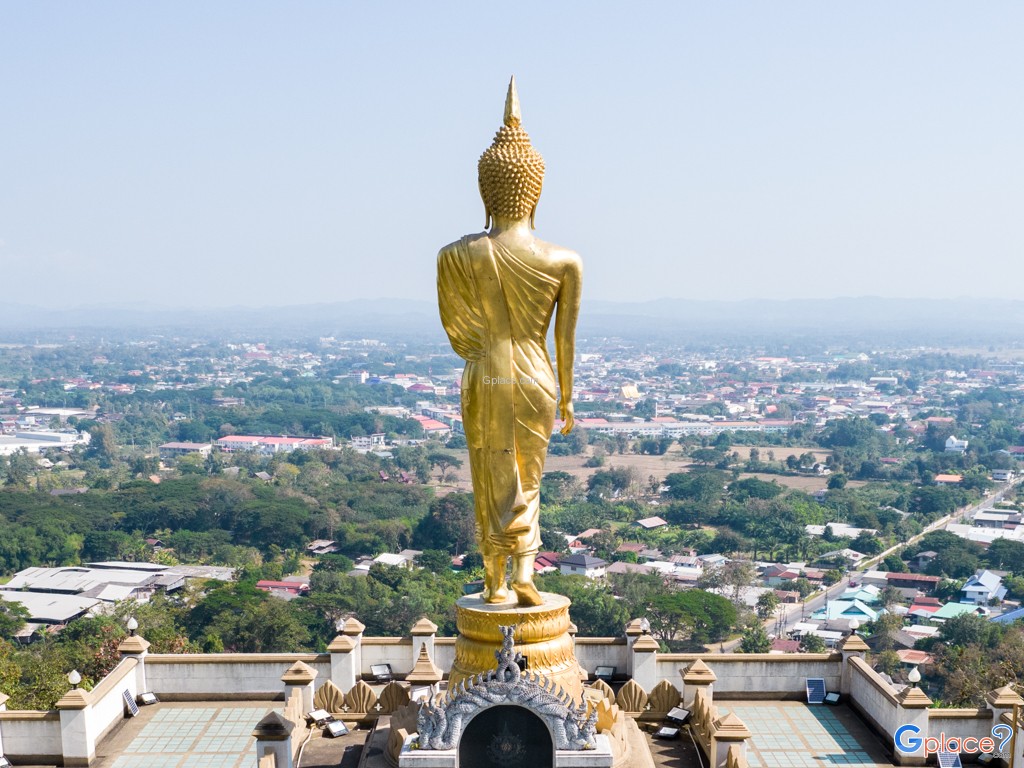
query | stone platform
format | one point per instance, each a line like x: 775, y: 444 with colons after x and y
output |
x: 542, y: 637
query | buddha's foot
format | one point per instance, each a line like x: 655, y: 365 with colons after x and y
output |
x: 526, y: 593
x: 497, y: 595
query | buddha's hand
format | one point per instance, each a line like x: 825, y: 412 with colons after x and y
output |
x: 567, y: 417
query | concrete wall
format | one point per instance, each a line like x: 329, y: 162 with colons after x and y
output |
x: 757, y: 675
x: 444, y: 652
x: 108, y: 706
x: 31, y: 737
x: 960, y: 722
x: 396, y: 651
x: 226, y: 676
x: 594, y: 652
x: 874, y: 698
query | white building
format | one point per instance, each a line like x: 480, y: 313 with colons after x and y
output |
x: 955, y: 446
x: 583, y: 565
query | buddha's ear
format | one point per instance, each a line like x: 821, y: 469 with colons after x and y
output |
x: 487, y: 212
x: 533, y: 213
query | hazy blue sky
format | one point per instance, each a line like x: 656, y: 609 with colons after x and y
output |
x: 257, y: 153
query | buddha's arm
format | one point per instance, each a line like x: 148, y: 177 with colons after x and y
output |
x: 565, y: 335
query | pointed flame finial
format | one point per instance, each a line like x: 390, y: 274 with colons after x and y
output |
x: 513, y: 117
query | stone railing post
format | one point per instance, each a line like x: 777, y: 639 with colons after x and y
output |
x: 913, y: 710
x: 726, y: 732
x: 633, y: 631
x: 136, y: 647
x: 852, y: 646
x: 353, y: 628
x: 77, y: 731
x: 1001, y: 701
x: 274, y: 737
x: 424, y: 672
x: 645, y: 662
x: 299, y: 677
x: 423, y: 633
x: 696, y: 677
x: 344, y: 671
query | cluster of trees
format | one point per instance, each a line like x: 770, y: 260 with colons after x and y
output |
x: 974, y: 656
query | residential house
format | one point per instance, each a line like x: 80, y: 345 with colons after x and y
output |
x: 582, y: 564
x: 982, y: 588
x: 287, y: 590
x: 322, y: 547
x: 923, y: 559
x: 841, y: 612
x: 916, y: 581
x: 955, y: 446
x: 650, y: 523
x: 174, y: 450
x: 951, y: 610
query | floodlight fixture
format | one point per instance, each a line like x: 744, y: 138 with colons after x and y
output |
x: 604, y: 673
x: 147, y: 697
x: 678, y: 715
x: 381, y: 673
x: 334, y: 729
x: 319, y: 716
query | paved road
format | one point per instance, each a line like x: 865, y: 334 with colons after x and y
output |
x: 788, y: 615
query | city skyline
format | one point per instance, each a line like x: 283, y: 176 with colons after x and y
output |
x: 257, y: 156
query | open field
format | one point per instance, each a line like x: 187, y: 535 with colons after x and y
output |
x: 658, y: 466
x: 781, y: 452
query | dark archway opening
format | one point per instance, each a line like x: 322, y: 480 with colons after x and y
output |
x: 506, y: 737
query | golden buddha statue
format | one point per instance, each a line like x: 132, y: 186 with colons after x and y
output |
x: 497, y: 292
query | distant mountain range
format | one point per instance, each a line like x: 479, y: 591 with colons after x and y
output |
x: 975, y: 321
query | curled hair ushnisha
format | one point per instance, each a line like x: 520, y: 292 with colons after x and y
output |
x: 511, y: 171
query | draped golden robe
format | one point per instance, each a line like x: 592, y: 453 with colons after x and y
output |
x: 496, y: 310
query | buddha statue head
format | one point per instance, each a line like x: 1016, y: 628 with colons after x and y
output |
x: 510, y: 171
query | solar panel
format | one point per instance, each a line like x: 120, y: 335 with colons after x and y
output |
x: 129, y: 701
x: 815, y: 690
x: 949, y: 760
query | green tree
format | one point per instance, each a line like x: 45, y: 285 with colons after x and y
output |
x: 12, y: 618
x: 755, y: 640
x: 1006, y: 553
x: 812, y: 644
x: 435, y: 560
x: 837, y: 481
x: 767, y: 604
x: 443, y: 461
x: 966, y: 629
x: 450, y: 524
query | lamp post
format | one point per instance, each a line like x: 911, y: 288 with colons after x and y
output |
x: 132, y: 625
x: 74, y: 677
x: 854, y: 626
x: 914, y: 676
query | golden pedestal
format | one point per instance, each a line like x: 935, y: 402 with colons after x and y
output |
x: 542, y: 637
